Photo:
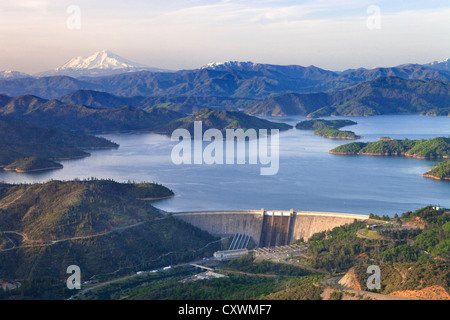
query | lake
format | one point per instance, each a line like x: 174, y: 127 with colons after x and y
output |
x: 309, y: 178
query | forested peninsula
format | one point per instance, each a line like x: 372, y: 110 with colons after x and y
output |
x: 329, y: 128
x: 440, y: 172
x: 424, y: 149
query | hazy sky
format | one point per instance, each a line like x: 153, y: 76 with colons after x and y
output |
x: 186, y: 34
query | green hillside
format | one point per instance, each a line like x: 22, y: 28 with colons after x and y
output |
x: 342, y: 248
x: 155, y: 118
x: 222, y: 120
x: 437, y: 112
x: 441, y: 171
x: 320, y: 123
x: 433, y: 148
x: 32, y: 164
x: 58, y: 210
x: 24, y: 147
x: 99, y: 225
x: 183, y: 104
x: 384, y: 95
x: 329, y: 128
x: 424, y: 149
x: 76, y: 117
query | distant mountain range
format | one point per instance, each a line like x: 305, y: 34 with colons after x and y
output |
x: 94, y: 111
x: 266, y: 76
x: 183, y: 104
x: 78, y: 117
x: 439, y: 65
x: 56, y: 114
x: 237, y: 81
x: 9, y: 74
x: 380, y: 96
x: 106, y: 63
x: 138, y: 98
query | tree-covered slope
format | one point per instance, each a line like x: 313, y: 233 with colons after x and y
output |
x: 329, y: 128
x: 343, y: 247
x: 320, y: 123
x: 414, y: 280
x: 99, y: 225
x: 76, y: 117
x: 433, y: 148
x: 440, y: 172
x: 24, y: 147
x: 222, y: 120
x: 385, y: 95
x: 159, y: 119
x: 183, y: 104
x: 59, y: 210
x: 32, y: 164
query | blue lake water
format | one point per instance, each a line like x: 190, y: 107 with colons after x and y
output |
x: 309, y: 178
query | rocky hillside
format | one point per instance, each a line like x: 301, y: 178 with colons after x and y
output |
x: 412, y: 280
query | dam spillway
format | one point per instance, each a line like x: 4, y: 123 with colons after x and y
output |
x: 275, y: 229
x: 268, y: 228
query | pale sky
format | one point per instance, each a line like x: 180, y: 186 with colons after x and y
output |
x: 187, y: 34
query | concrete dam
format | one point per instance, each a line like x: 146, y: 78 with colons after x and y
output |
x: 268, y: 228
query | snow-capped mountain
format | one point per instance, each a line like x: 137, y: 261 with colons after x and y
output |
x: 440, y: 65
x: 101, y: 63
x: 230, y: 65
x: 10, y: 74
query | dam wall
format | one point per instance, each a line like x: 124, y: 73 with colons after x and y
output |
x: 308, y: 223
x: 268, y: 228
x: 226, y: 223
